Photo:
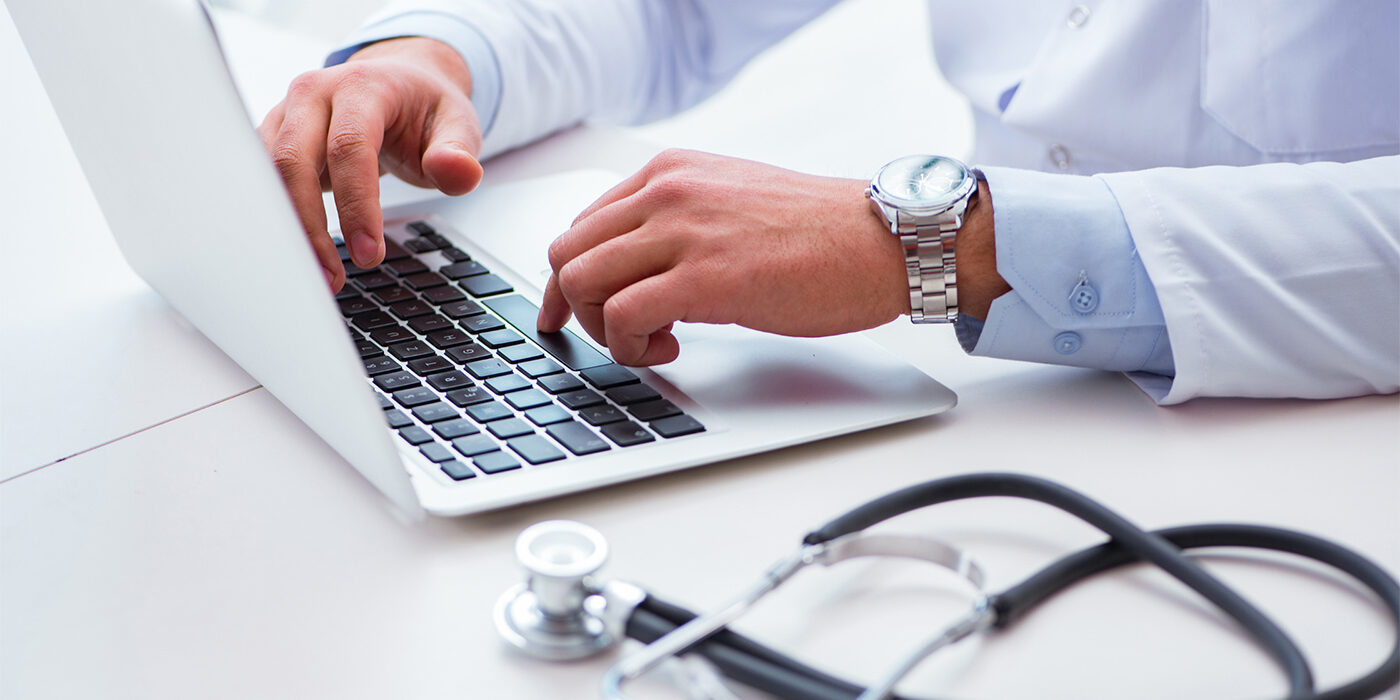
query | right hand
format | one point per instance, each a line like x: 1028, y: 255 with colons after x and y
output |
x: 400, y: 106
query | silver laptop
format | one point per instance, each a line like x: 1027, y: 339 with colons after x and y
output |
x: 438, y: 343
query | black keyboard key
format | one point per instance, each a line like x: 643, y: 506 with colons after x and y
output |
x: 443, y: 295
x: 447, y: 381
x: 462, y: 354
x: 412, y: 349
x: 415, y: 435
x: 449, y: 337
x: 394, y: 382
x: 374, y: 280
x: 397, y: 419
x: 507, y: 383
x: 564, y: 345
x: 535, y: 449
x: 432, y: 364
x: 627, y: 433
x: 376, y: 366
x: 347, y: 292
x: 495, y: 462
x: 424, y: 280
x: 488, y: 411
x: 366, y: 348
x: 455, y: 254
x: 384, y: 401
x: 416, y: 396
x: 601, y: 415
x: 420, y: 228
x: 500, y: 338
x: 535, y: 369
x: 632, y: 393
x: 482, y: 324
x: 405, y: 267
x: 676, y: 426
x: 410, y: 308
x: 438, y: 239
x: 485, y: 285
x: 374, y: 319
x: 609, y: 376
x: 436, y: 453
x: 468, y: 396
x: 419, y: 245
x: 458, y: 270
x: 527, y: 399
x: 509, y: 428
x: 462, y: 309
x: 474, y: 445
x: 547, y: 415
x: 582, y: 398
x: 485, y: 369
x: 352, y: 270
x: 576, y: 438
x: 429, y: 323
x: 392, y: 295
x: 388, y: 335
x: 393, y: 251
x: 457, y: 470
x: 651, y: 410
x: 560, y: 383
x: 455, y: 428
x: 356, y: 305
x: 521, y: 353
x: 434, y: 412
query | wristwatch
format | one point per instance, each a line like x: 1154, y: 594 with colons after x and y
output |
x: 922, y: 199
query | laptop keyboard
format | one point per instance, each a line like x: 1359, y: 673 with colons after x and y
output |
x: 465, y: 378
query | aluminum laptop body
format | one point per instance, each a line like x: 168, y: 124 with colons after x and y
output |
x: 198, y: 210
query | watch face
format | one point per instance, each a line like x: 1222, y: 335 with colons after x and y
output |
x: 924, y: 182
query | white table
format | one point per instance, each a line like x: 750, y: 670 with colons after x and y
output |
x: 197, y: 541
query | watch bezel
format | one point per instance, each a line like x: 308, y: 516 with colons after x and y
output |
x: 924, y: 207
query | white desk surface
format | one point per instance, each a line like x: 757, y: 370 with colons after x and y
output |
x: 188, y: 560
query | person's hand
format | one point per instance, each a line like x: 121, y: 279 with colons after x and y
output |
x: 701, y: 238
x: 399, y: 106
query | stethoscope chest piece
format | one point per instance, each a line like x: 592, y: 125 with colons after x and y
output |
x: 550, y: 615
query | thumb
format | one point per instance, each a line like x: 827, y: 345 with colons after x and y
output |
x: 449, y: 156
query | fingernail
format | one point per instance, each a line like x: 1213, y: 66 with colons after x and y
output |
x: 363, y: 249
x: 330, y: 276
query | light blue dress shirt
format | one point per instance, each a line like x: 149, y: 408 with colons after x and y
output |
x: 1251, y: 280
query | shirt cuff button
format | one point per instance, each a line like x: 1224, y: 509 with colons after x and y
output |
x: 1068, y: 343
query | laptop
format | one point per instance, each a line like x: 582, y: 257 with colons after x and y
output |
x: 426, y: 374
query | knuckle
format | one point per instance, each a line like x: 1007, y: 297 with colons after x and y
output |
x: 288, y: 158
x: 354, y: 76
x: 347, y: 142
x: 574, y: 281
x: 671, y: 159
x: 558, y: 255
x: 306, y: 84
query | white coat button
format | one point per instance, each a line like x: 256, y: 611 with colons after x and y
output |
x: 1077, y: 17
x: 1059, y: 156
x: 1068, y: 343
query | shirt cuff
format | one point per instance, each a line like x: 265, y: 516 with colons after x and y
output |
x: 1080, y: 293
x: 450, y: 29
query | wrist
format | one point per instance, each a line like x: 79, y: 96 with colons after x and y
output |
x: 979, y: 283
x: 423, y: 52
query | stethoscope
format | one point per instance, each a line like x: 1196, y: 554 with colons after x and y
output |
x: 561, y: 613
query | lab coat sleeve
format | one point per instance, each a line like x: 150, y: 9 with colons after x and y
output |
x: 1276, y: 280
x: 541, y: 65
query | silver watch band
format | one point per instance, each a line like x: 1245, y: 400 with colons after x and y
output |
x: 930, y: 263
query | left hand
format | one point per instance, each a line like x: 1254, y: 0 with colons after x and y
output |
x: 701, y: 238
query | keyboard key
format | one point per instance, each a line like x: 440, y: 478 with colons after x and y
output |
x: 405, y: 267
x: 392, y: 295
x: 417, y: 396
x: 415, y: 435
x: 393, y: 251
x: 434, y: 412
x: 457, y: 470
x: 600, y: 415
x: 482, y: 324
x: 564, y: 345
x: 488, y: 411
x: 429, y: 323
x: 419, y: 245
x: 501, y: 338
x: 372, y: 320
x: 632, y: 393
x: 462, y: 309
x: 468, y: 396
x: 462, y: 354
x: 395, y: 381
x: 420, y: 228
x: 449, y: 337
x: 356, y: 305
x: 534, y: 449
x: 384, y: 401
x: 576, y: 438
x: 443, y: 295
x: 410, y: 308
x: 374, y: 280
x: 527, y: 399
x: 521, y: 353
x: 348, y: 291
x: 388, y: 335
x: 485, y: 369
x: 509, y: 428
x: 447, y: 381
x: 438, y: 239
x: 651, y: 410
x: 397, y: 419
x: 455, y: 428
x: 366, y: 348
x: 436, y: 452
x: 580, y: 399
x: 376, y: 366
x: 424, y: 280
x: 410, y: 350
x: 547, y: 415
x: 474, y: 445
x: 609, y: 376
x: 507, y: 383
x: 627, y: 433
x: 485, y: 285
x: 458, y: 270
x: 455, y: 254
x: 352, y: 270
x: 676, y: 426
x: 431, y: 364
x: 561, y: 383
x: 495, y: 462
x: 541, y: 367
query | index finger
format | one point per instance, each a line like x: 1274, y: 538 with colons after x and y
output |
x: 352, y: 161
